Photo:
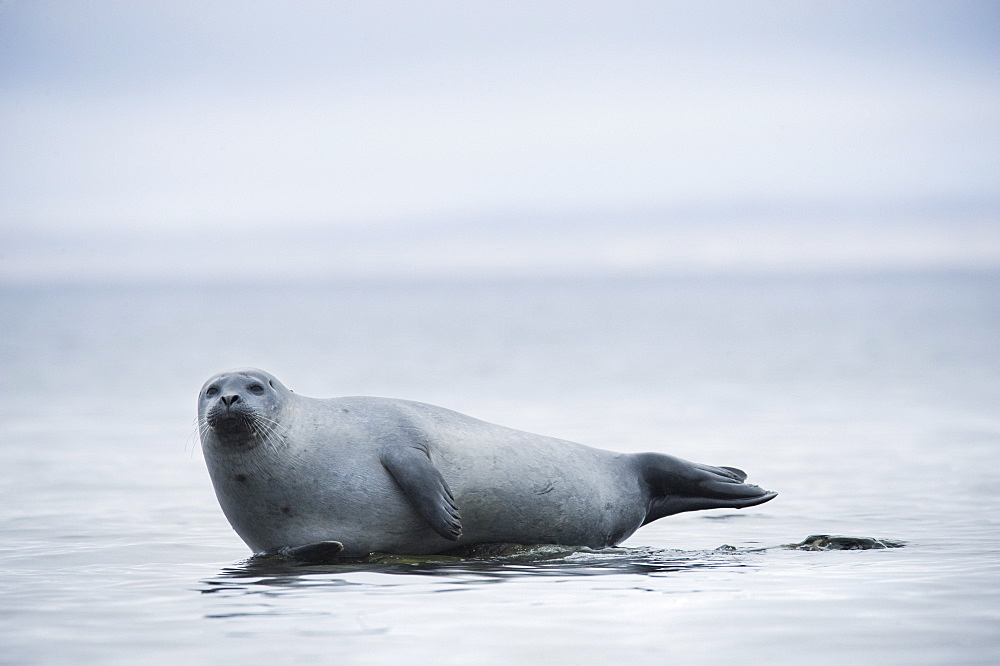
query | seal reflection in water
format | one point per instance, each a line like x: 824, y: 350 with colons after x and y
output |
x: 310, y: 478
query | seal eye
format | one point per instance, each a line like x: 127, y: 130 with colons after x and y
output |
x: 256, y: 389
x: 212, y: 391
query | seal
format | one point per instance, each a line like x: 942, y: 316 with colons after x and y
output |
x: 317, y: 478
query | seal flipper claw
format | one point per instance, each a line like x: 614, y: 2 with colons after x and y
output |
x: 741, y: 476
x: 425, y: 487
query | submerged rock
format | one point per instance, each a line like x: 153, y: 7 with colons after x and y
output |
x: 823, y: 542
x: 836, y: 542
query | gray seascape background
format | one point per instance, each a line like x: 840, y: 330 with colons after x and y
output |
x: 765, y: 236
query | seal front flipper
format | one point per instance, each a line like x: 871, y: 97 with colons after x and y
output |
x: 423, y: 484
x: 322, y: 552
x: 676, y: 485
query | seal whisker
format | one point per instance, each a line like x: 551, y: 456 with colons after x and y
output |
x: 200, y: 432
x: 262, y: 434
x: 257, y: 433
x: 261, y: 417
x: 267, y: 432
x: 276, y: 436
x: 189, y: 442
x: 271, y: 423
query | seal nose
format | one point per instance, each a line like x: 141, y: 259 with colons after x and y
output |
x: 228, y: 400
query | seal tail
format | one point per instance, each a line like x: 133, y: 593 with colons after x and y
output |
x: 676, y: 486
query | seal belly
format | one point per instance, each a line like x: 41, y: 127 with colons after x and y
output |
x: 273, y: 502
x: 517, y: 487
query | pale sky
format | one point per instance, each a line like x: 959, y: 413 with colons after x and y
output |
x: 143, y: 139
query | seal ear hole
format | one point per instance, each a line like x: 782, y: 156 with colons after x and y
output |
x: 270, y: 383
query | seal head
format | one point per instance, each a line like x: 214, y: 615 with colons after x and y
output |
x: 239, y: 407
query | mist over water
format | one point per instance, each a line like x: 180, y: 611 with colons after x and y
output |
x: 867, y: 402
x: 177, y: 118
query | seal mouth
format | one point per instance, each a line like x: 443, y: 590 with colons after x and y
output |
x: 230, y: 421
x: 242, y: 427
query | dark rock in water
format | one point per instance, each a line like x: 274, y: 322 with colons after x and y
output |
x: 834, y: 542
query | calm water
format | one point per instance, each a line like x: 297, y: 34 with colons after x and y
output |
x: 872, y: 404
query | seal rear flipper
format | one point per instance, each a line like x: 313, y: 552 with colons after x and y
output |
x: 676, y: 486
x: 425, y: 487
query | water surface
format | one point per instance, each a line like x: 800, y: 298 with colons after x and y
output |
x: 868, y: 402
